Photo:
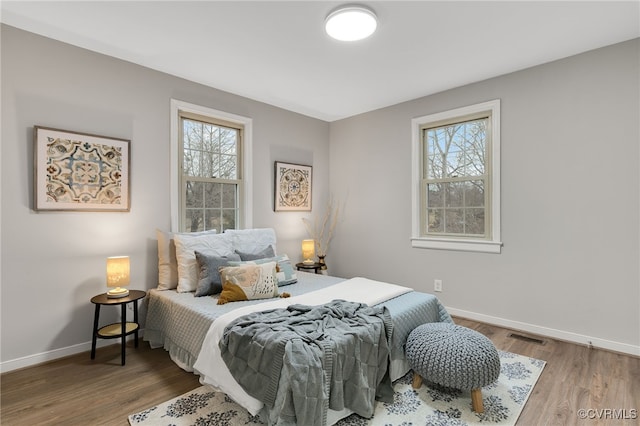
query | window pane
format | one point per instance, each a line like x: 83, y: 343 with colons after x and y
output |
x: 192, y: 134
x: 214, y: 169
x: 454, y: 221
x: 475, y: 160
x: 194, y: 220
x: 208, y: 166
x: 229, y: 219
x: 455, y: 162
x: 213, y: 195
x: 474, y: 221
x: 456, y: 150
x: 454, y: 194
x: 229, y: 196
x: 228, y: 141
x: 194, y: 194
x: 435, y: 196
x: 209, y: 150
x: 228, y: 167
x: 434, y: 167
x: 436, y: 222
x: 192, y: 162
x: 213, y: 219
x: 474, y: 193
x: 475, y: 136
x: 211, y: 141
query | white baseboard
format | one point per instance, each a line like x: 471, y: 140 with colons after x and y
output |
x: 549, y: 332
x: 581, y: 339
x: 31, y: 360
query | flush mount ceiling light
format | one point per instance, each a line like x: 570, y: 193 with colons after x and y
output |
x: 351, y: 23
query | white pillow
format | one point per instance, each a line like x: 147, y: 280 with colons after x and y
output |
x: 253, y: 240
x: 208, y: 244
x: 167, y: 262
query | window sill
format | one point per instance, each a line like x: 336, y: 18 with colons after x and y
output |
x: 458, y: 245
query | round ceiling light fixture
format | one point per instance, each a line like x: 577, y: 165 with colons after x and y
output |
x: 351, y: 23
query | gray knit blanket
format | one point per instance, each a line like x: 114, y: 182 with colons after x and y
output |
x: 303, y: 360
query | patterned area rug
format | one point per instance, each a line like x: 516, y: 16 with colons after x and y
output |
x: 430, y: 405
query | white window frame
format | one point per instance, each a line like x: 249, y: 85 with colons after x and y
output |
x: 246, y: 205
x: 491, y: 243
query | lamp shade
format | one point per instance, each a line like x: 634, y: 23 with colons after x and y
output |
x: 118, y: 275
x: 308, y: 250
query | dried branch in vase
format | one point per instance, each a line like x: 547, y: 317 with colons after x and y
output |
x: 322, y: 232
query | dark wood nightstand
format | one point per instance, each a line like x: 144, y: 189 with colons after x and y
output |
x: 120, y: 329
x: 315, y: 266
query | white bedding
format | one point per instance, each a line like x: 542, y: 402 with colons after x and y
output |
x: 212, y: 369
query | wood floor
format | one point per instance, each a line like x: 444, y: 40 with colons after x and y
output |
x: 79, y: 391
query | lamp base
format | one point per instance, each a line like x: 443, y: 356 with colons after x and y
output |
x: 308, y: 262
x: 117, y: 293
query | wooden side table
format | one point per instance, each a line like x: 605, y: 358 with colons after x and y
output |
x: 315, y: 266
x: 120, y: 329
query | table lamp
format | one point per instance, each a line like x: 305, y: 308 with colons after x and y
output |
x: 308, y: 251
x: 117, y: 276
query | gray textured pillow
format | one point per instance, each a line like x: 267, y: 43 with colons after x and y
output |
x: 209, y: 276
x: 262, y: 254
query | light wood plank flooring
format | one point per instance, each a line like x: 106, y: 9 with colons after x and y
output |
x: 79, y: 391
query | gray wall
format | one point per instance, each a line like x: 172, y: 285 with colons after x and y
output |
x: 570, y: 196
x: 53, y: 263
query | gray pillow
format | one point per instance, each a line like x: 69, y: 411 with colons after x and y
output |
x: 262, y: 254
x: 209, y: 281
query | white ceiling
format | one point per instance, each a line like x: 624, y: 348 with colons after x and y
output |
x: 278, y: 53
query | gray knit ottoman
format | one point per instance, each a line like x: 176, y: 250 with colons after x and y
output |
x: 453, y: 356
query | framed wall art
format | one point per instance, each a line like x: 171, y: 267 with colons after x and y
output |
x: 292, y: 187
x: 79, y: 171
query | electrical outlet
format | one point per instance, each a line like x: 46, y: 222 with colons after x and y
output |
x: 437, y: 285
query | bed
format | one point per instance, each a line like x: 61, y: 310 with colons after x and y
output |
x: 189, y: 327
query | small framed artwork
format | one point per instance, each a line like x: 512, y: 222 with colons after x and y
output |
x: 292, y: 187
x: 79, y: 171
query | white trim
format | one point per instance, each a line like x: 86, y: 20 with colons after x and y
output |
x: 247, y: 158
x: 553, y: 333
x: 492, y: 245
x: 31, y: 360
x: 480, y: 246
x: 566, y: 336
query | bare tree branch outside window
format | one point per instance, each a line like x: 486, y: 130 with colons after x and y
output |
x: 211, y: 175
x: 455, y: 174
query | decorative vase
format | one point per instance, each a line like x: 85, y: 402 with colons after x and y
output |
x: 323, y: 268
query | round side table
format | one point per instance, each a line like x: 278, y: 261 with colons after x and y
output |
x: 120, y: 329
x: 308, y: 266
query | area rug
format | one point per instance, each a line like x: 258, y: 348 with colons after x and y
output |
x: 430, y: 405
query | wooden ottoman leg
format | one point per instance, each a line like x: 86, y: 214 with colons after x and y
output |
x: 417, y: 380
x: 476, y: 400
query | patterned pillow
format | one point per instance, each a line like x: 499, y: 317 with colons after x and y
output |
x: 248, y: 282
x: 209, y: 281
x: 285, y: 273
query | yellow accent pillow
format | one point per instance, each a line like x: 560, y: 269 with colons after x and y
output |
x: 248, y: 282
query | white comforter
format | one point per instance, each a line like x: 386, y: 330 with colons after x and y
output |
x: 212, y: 369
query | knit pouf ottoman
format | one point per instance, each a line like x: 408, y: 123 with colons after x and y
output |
x: 453, y: 356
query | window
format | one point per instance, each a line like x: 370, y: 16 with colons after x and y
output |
x: 210, y: 169
x: 456, y: 179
